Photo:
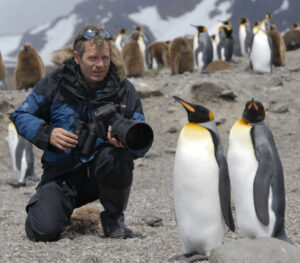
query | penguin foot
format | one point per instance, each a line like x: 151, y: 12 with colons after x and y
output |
x: 195, y: 257
x: 17, y: 185
x: 33, y: 177
x: 192, y: 257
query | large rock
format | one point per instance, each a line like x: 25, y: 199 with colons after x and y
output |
x: 204, y: 91
x: 146, y: 89
x: 267, y: 250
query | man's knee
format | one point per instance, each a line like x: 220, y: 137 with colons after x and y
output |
x: 38, y: 231
x: 49, y: 211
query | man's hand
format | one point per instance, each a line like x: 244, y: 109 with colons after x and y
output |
x: 112, y: 140
x: 63, y: 139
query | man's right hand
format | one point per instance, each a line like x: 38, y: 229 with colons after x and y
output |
x: 63, y: 139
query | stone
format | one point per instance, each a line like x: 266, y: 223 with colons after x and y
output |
x: 152, y: 218
x: 267, y: 250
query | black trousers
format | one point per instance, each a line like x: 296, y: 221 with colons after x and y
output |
x: 50, y: 208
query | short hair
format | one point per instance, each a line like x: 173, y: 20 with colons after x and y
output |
x: 98, y: 40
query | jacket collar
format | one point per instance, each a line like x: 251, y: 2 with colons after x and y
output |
x: 75, y: 86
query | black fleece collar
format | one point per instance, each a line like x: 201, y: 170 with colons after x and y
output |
x: 74, y: 86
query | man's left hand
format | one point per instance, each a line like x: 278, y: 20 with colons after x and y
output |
x: 113, y: 140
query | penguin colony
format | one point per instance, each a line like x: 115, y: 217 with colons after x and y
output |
x: 261, y: 42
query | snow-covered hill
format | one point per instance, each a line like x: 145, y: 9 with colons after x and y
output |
x: 162, y: 20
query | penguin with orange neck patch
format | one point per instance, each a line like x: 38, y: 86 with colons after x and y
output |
x: 256, y: 176
x: 201, y: 184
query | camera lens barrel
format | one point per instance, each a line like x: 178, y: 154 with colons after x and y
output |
x: 136, y: 136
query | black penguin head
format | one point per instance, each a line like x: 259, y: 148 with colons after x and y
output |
x: 122, y: 30
x: 243, y: 20
x: 200, y: 29
x: 295, y: 25
x: 254, y: 111
x: 196, y: 113
x: 268, y: 15
x: 226, y: 22
x: 137, y: 28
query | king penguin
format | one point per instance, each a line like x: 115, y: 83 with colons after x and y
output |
x: 201, y: 183
x: 256, y: 176
x: 203, y: 49
x: 121, y: 38
x: 261, y: 54
x: 214, y: 45
x: 22, y: 156
x: 245, y: 36
x: 225, y: 45
x: 267, y: 22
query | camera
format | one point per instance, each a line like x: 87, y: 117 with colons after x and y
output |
x: 136, y: 136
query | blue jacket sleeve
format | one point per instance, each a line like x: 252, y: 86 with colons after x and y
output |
x: 29, y: 125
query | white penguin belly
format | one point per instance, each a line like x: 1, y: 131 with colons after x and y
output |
x: 196, y: 196
x: 200, y: 61
x: 12, y: 141
x: 242, y: 166
x: 242, y: 38
x: 215, y: 52
x: 261, y: 54
x: 22, y: 172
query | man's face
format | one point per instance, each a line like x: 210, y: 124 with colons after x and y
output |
x: 94, y: 64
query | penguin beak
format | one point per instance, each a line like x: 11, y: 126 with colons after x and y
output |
x: 185, y: 104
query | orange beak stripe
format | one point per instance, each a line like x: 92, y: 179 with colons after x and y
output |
x: 253, y: 104
x: 187, y: 106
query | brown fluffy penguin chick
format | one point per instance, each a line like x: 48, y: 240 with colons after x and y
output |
x: 181, y: 56
x: 2, y: 68
x: 279, y: 47
x: 30, y: 68
x: 61, y: 55
x: 84, y: 220
x: 160, y: 52
x: 190, y: 40
x: 133, y: 56
x: 218, y: 65
x: 292, y: 39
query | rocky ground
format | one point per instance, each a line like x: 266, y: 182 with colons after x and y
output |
x: 225, y: 94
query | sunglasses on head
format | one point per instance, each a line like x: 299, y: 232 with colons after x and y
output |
x: 90, y: 34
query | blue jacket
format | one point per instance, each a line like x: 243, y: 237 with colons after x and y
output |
x: 58, y: 100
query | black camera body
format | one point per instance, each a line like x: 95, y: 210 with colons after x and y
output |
x: 136, y: 136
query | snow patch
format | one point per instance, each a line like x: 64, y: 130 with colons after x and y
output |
x: 40, y: 28
x: 284, y: 6
x: 58, y: 36
x: 168, y: 29
x: 7, y: 45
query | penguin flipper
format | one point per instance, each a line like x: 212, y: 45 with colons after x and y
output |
x: 224, y: 191
x: 262, y: 182
x: 224, y: 182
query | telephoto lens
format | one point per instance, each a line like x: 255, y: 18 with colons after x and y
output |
x: 136, y: 136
